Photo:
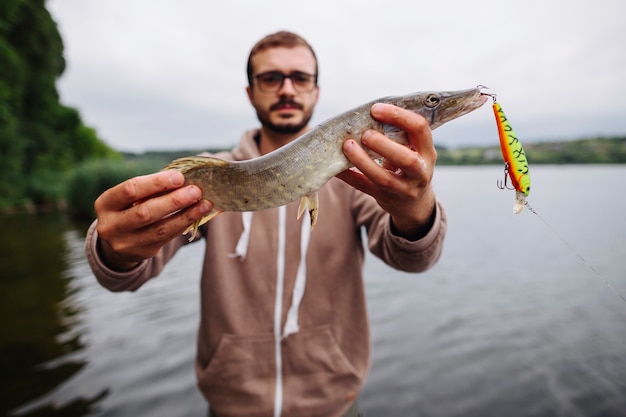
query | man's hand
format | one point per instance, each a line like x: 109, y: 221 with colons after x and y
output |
x: 402, y: 186
x: 137, y: 217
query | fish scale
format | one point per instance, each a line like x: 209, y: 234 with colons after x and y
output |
x: 300, y: 168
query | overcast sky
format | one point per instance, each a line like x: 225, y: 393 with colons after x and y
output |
x: 170, y: 74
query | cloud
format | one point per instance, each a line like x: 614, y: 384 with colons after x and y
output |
x: 162, y: 74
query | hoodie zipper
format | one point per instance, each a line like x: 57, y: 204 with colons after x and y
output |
x: 278, y: 309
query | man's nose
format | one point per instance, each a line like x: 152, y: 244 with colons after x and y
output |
x: 287, y: 87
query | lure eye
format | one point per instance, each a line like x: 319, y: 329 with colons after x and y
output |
x: 432, y: 100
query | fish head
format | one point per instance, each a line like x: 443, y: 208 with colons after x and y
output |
x: 439, y: 107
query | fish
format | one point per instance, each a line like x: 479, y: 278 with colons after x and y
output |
x: 515, y: 161
x: 300, y: 168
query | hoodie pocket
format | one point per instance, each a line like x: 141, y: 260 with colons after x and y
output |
x: 240, y: 378
x: 319, y: 378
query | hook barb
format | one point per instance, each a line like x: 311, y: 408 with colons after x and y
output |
x: 502, y: 184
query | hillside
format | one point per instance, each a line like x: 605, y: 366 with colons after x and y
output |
x: 583, y: 151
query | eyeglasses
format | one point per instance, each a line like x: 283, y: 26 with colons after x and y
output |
x: 272, y: 81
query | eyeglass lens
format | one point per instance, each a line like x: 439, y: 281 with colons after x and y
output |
x: 272, y: 81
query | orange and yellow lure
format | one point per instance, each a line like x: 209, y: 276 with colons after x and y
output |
x: 516, y: 169
x: 515, y: 162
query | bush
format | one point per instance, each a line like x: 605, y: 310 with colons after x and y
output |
x: 92, y: 178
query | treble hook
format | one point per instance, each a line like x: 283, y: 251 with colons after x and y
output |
x: 504, y: 184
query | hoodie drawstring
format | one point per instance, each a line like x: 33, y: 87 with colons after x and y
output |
x: 241, y: 250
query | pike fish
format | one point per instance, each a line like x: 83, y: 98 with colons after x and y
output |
x: 300, y: 168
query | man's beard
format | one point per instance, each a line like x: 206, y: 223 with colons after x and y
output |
x: 284, y: 128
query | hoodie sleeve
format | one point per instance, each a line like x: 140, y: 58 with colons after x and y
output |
x: 398, y: 252
x: 133, y: 279
x: 127, y: 280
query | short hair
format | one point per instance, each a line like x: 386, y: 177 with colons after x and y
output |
x: 279, y: 39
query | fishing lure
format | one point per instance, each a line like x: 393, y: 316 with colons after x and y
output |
x: 515, y: 162
x: 516, y: 169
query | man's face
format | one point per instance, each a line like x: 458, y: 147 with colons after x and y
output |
x: 288, y: 109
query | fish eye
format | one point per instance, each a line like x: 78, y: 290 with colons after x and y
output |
x: 432, y: 100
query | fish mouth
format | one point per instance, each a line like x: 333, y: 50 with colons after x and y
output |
x: 486, y: 94
x: 458, y: 103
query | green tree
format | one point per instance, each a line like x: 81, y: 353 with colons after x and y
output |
x: 41, y: 140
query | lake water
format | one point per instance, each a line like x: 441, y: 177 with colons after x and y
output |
x: 515, y: 320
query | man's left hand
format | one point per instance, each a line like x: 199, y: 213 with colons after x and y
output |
x: 402, y: 186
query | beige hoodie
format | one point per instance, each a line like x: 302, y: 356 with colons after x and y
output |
x: 246, y: 364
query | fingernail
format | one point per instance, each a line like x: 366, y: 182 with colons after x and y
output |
x: 194, y: 193
x: 204, y: 207
x: 176, y: 178
x: 378, y: 108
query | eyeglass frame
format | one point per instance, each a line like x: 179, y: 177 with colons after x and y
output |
x: 283, y: 76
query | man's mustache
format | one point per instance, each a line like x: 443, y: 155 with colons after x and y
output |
x: 286, y: 102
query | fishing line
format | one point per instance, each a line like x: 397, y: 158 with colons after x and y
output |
x: 587, y: 264
x: 516, y: 169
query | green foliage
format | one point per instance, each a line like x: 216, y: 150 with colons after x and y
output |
x: 594, y: 151
x: 93, y: 177
x: 40, y: 139
x: 11, y: 148
x: 584, y: 151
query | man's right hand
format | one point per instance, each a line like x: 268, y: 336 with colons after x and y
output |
x: 140, y: 215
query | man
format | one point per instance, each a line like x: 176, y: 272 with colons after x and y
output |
x: 284, y: 328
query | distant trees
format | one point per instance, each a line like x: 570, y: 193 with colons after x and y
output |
x: 41, y: 140
x: 582, y: 151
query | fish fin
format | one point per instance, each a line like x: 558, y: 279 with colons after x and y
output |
x: 520, y: 201
x: 396, y: 134
x: 310, y: 202
x: 196, y: 225
x: 188, y: 163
